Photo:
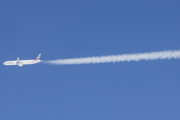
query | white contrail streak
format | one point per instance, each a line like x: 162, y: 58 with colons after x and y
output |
x: 118, y: 58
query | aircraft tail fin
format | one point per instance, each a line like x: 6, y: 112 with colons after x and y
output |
x: 38, y: 57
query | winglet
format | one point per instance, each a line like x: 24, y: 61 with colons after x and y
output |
x: 18, y: 59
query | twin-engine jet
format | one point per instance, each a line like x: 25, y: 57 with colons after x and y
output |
x: 23, y: 62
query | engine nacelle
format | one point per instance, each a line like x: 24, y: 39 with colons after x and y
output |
x: 20, y: 64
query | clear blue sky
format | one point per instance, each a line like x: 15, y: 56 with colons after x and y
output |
x: 59, y: 29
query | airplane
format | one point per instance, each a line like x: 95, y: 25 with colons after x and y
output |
x: 23, y: 62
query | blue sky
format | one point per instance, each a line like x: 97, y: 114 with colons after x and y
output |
x: 143, y: 90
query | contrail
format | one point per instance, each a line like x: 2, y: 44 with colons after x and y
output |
x: 118, y: 58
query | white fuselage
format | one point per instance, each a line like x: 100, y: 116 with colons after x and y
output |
x: 21, y: 62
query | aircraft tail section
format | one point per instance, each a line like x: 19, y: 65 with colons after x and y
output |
x: 38, y: 57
